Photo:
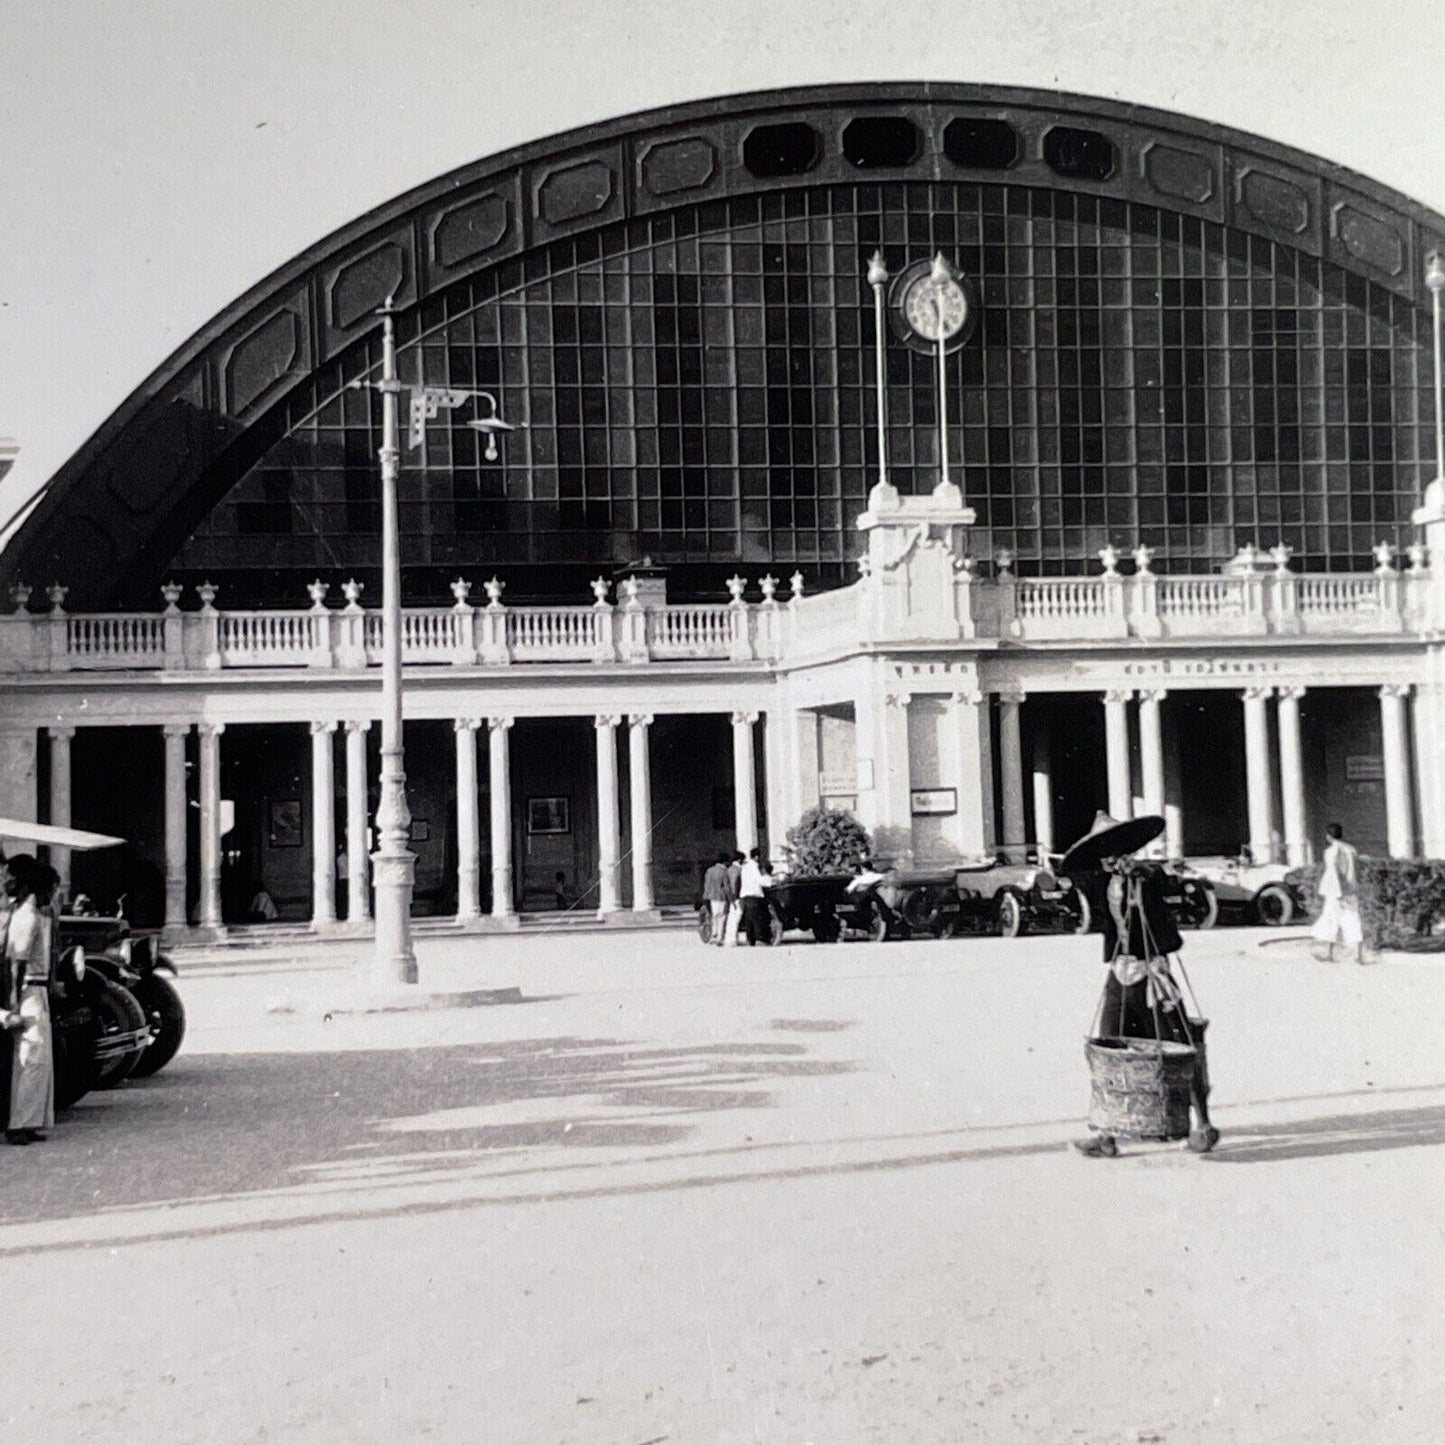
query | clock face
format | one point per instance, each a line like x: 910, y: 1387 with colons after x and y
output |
x: 933, y: 308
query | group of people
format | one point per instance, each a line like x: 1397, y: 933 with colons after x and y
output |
x: 734, y: 890
x: 27, y: 1070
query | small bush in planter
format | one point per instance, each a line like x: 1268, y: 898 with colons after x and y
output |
x: 827, y: 840
x: 1402, y: 900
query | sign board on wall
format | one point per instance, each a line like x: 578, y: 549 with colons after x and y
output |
x: 1364, y: 768
x: 929, y: 802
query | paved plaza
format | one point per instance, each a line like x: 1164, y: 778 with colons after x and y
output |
x: 812, y: 1194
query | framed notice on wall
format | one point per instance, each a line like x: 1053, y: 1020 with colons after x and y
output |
x: 283, y: 823
x: 931, y: 802
x: 549, y: 815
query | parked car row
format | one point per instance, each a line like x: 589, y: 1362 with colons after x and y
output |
x: 1006, y: 898
x: 115, y: 1012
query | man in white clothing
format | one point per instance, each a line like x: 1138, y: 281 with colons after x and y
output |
x: 754, y: 900
x: 1339, y: 888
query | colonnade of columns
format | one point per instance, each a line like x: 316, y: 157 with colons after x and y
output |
x: 469, y: 852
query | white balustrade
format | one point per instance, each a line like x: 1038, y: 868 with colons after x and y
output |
x: 553, y: 634
x: 101, y: 641
x: 267, y: 639
x: 704, y: 631
x: 1152, y: 606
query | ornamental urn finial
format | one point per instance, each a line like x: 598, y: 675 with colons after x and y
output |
x: 206, y: 591
x: 599, y: 591
x: 1384, y: 559
x: 56, y: 593
x: 351, y: 589
x: 1109, y: 556
x: 1003, y: 559
x: 317, y: 591
x: 1280, y: 554
x: 461, y: 590
x: 1416, y: 553
x: 20, y: 594
x: 171, y: 591
x: 768, y: 585
x: 494, y: 588
x: 1143, y: 561
x: 628, y: 588
x: 796, y: 583
x: 735, y: 585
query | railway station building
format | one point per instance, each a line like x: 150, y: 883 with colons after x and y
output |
x: 1155, y: 530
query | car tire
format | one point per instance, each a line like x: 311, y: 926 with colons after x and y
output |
x: 1273, y: 905
x: 704, y: 923
x: 1085, y: 913
x: 161, y: 1001
x: 826, y: 928
x: 75, y: 1069
x: 1210, y: 915
x: 1008, y: 915
x: 119, y: 1014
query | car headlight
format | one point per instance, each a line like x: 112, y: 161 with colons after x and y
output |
x: 123, y: 951
x: 77, y: 962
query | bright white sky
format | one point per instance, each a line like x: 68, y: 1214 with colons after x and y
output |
x: 158, y: 157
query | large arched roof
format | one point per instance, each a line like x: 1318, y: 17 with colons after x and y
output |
x: 138, y: 485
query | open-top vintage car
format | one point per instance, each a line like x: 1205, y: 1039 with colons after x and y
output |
x: 1188, y: 895
x: 1261, y: 892
x: 992, y: 895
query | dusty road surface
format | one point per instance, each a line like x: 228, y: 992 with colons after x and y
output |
x: 812, y: 1194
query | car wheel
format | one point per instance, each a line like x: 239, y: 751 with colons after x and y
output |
x: 1210, y: 915
x: 75, y: 1068
x: 704, y: 923
x: 119, y: 1014
x: 159, y: 998
x: 1085, y: 919
x: 1273, y: 905
x: 878, y: 929
x: 826, y: 927
x: 1008, y: 916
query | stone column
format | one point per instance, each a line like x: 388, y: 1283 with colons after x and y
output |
x: 973, y: 772
x: 1116, y: 751
x: 1399, y: 829
x: 499, y: 775
x: 469, y: 826
x: 1151, y: 749
x: 1011, y: 767
x: 1173, y: 792
x: 1043, y: 788
x: 609, y: 821
x: 1291, y: 776
x: 323, y: 825
x: 210, y: 748
x: 640, y: 785
x: 358, y: 893
x: 175, y: 822
x: 1257, y: 772
x: 745, y: 781
x: 60, y: 738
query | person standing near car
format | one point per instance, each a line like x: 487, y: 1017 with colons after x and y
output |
x: 716, y: 893
x: 28, y: 946
x: 752, y: 894
x: 1339, y: 889
x: 735, y: 906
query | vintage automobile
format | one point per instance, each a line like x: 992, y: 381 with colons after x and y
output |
x: 992, y: 895
x: 100, y: 1029
x: 830, y: 906
x: 1261, y: 892
x: 1190, y: 897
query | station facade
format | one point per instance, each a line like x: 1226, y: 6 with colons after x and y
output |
x: 1153, y: 533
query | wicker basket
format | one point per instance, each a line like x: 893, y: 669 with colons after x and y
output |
x: 1141, y: 1087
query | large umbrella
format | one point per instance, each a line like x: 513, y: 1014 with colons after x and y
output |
x: 1109, y: 838
x: 76, y: 838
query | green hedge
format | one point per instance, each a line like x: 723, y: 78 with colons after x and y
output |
x: 1402, y: 900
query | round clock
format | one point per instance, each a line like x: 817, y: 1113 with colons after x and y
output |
x: 926, y: 302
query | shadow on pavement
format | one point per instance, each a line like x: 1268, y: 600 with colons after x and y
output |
x: 235, y: 1124
x: 1333, y: 1134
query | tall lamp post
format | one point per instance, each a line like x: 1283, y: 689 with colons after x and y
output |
x: 393, y: 863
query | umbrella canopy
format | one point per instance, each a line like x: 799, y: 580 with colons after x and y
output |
x: 76, y: 838
x: 1109, y: 838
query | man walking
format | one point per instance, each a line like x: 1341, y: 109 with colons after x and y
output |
x: 754, y: 900
x: 716, y: 894
x: 1339, y: 888
x: 735, y: 906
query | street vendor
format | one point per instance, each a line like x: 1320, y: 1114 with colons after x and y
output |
x: 1141, y: 998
